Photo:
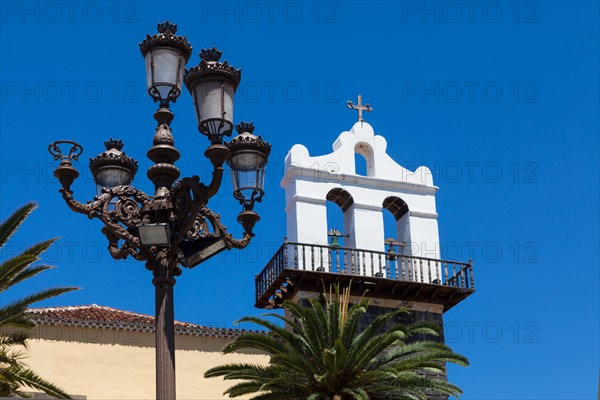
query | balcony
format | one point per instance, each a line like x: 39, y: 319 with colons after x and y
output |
x: 301, y: 266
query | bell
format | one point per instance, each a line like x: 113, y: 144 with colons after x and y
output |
x: 391, y: 251
x: 334, y: 237
x: 334, y: 241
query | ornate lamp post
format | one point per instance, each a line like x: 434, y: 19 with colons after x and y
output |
x: 173, y: 226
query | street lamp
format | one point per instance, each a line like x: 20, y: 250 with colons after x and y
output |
x: 112, y: 167
x: 248, y: 161
x: 212, y: 84
x: 166, y: 55
x: 173, y: 227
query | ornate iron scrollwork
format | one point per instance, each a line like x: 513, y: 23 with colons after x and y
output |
x: 73, y: 154
x: 123, y: 208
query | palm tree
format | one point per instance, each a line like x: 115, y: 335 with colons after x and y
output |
x: 14, y: 374
x: 324, y: 356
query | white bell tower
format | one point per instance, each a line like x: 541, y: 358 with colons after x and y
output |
x: 408, y: 273
x: 310, y: 181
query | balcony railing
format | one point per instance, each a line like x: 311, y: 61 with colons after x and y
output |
x: 362, y: 263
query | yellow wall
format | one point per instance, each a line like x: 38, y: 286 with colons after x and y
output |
x: 111, y: 364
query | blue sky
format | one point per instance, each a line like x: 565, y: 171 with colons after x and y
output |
x: 499, y: 99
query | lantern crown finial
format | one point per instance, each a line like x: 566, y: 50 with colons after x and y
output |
x: 248, y: 140
x: 167, y: 37
x: 113, y: 144
x: 210, y: 64
x: 167, y: 27
x: 113, y: 158
x: 244, y: 127
x: 211, y: 55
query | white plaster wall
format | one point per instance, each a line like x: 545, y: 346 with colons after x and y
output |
x: 403, y: 233
x: 307, y: 221
x: 424, y: 236
x: 373, y: 237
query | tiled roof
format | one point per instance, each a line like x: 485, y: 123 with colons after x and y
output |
x: 94, y: 316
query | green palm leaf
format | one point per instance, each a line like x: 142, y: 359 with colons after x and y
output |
x: 14, y: 374
x: 23, y: 376
x: 13, y: 312
x: 10, y: 226
x: 323, y: 356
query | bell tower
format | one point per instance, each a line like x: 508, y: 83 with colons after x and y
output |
x: 406, y: 271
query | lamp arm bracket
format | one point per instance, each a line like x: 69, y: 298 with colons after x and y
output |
x: 238, y: 243
x: 126, y: 211
x: 221, y: 230
x: 125, y: 249
x: 215, y: 183
x: 120, y: 232
x: 67, y: 195
x: 188, y: 196
x: 200, y: 229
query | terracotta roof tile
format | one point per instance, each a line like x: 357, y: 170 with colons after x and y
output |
x: 94, y: 316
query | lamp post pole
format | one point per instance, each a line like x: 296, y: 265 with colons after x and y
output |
x: 173, y: 227
x: 165, y: 327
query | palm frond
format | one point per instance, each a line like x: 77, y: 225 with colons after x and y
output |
x: 322, y: 355
x: 11, y: 224
x: 12, y: 267
x: 12, y: 311
x: 310, y: 328
x: 14, y: 374
x: 351, y: 324
x: 291, y: 338
x: 23, y: 376
x: 14, y: 339
x: 268, y: 344
x: 29, y: 273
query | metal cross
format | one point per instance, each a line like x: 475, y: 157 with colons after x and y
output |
x: 360, y: 108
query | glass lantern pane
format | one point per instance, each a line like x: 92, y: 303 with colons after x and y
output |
x: 154, y: 234
x: 247, y: 161
x: 111, y: 177
x: 148, y: 59
x: 245, y: 182
x: 248, y: 179
x: 164, y: 90
x: 164, y: 70
x: 99, y: 189
x: 180, y: 72
x: 213, y: 98
x: 235, y: 179
x: 260, y: 177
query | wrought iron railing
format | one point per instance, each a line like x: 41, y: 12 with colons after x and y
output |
x: 357, y: 262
